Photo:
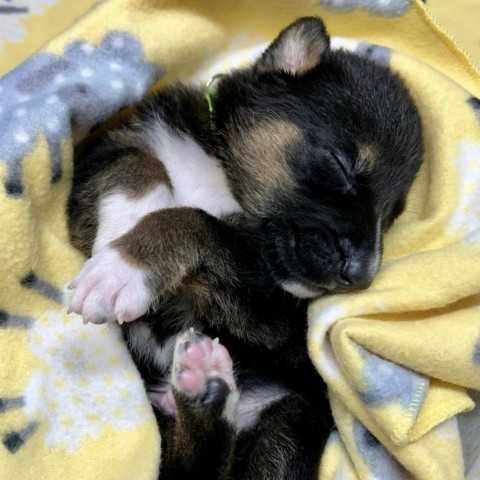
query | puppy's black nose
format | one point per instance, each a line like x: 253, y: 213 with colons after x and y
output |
x: 355, y: 275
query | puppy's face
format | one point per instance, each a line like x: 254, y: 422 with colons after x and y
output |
x: 321, y: 148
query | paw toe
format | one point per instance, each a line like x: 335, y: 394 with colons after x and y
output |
x: 190, y: 380
x: 108, y: 288
x: 132, y: 302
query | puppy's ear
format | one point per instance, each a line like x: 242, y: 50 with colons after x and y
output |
x: 297, y: 49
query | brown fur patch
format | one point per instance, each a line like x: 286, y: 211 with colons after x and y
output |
x: 367, y: 154
x: 171, y: 244
x: 260, y: 154
x: 135, y: 175
x: 181, y: 253
x: 198, y: 288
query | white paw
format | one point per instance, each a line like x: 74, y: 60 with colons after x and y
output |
x: 108, y: 289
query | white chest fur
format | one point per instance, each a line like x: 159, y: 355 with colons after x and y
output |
x: 198, y: 180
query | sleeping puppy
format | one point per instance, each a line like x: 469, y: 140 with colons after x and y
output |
x: 211, y: 221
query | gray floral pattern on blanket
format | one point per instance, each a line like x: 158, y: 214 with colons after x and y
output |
x: 376, y: 53
x: 52, y: 95
x: 387, y: 8
x: 381, y: 463
x: 476, y: 353
x: 475, y: 104
x: 386, y: 382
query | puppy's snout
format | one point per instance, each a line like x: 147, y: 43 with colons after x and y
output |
x: 356, y: 274
x: 329, y: 260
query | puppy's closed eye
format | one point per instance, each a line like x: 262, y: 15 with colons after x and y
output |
x: 342, y: 165
x: 332, y: 170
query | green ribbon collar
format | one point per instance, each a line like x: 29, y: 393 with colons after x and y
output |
x: 210, y: 91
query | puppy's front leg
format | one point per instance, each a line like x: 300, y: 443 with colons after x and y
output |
x: 150, y: 261
x: 172, y: 244
x: 115, y: 184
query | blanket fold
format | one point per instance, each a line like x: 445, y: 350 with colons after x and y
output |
x: 401, y: 359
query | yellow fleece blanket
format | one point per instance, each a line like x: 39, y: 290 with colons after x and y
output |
x: 398, y: 358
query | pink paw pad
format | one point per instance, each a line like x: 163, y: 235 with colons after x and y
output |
x: 198, y: 359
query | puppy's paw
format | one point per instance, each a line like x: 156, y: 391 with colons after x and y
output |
x: 108, y: 289
x: 203, y: 372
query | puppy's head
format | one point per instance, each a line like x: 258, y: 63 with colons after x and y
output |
x: 321, y: 148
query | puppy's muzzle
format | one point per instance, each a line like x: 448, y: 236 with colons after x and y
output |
x: 356, y: 274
